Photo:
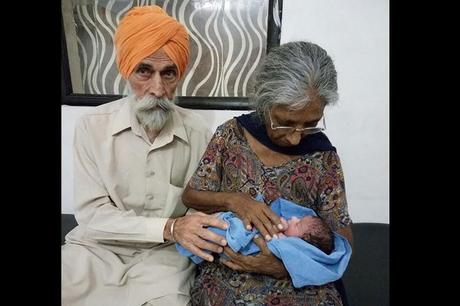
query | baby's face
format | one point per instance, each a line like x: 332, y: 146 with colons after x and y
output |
x: 293, y: 227
x: 298, y: 227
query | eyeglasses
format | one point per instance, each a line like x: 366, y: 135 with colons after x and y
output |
x: 305, y: 130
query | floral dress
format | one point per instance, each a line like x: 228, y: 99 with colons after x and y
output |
x: 313, y: 180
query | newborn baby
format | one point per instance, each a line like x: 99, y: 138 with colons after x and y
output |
x: 306, y: 241
x: 312, y: 229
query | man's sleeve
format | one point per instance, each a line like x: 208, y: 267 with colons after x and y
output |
x: 94, y: 209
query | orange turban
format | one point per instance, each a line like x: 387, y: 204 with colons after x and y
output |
x: 143, y: 31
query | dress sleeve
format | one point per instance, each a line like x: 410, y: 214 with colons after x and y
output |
x: 208, y: 175
x: 331, y: 199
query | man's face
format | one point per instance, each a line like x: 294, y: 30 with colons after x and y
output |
x: 156, y: 75
x: 153, y: 82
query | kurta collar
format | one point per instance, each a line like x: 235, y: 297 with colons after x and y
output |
x: 174, y: 127
x: 123, y: 118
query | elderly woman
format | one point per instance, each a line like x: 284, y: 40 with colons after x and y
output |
x: 277, y: 151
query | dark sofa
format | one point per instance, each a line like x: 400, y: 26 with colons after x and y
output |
x: 367, y: 277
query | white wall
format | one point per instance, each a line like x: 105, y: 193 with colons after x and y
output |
x: 356, y: 35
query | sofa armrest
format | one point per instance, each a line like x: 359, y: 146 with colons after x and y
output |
x: 68, y: 222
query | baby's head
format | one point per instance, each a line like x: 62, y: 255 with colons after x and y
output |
x: 312, y: 229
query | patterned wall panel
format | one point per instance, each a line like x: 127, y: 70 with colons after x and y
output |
x: 227, y: 42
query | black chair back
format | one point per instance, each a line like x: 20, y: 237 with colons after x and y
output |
x: 367, y: 276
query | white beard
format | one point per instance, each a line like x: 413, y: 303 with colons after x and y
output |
x: 152, y: 113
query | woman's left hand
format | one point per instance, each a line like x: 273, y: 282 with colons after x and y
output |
x: 264, y: 262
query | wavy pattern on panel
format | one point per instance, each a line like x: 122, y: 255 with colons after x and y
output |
x: 227, y: 43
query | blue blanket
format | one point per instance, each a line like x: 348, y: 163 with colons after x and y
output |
x: 306, y: 264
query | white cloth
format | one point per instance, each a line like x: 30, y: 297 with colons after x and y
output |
x: 125, y: 190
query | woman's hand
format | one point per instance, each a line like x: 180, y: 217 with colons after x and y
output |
x: 264, y: 262
x: 191, y: 232
x: 256, y: 213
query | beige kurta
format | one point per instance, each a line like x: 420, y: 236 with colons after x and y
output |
x: 125, y: 190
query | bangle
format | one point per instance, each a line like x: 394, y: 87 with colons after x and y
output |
x: 171, y: 230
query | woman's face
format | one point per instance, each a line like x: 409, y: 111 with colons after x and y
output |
x: 282, y: 116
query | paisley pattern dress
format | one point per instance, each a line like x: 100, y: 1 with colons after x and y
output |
x: 313, y: 180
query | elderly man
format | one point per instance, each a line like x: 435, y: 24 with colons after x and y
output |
x: 132, y: 159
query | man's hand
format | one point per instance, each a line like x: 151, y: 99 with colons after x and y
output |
x: 256, y: 213
x: 264, y: 262
x: 191, y: 232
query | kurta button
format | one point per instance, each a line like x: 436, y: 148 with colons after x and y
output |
x: 149, y: 197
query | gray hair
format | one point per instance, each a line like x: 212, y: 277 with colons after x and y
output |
x: 152, y: 112
x: 293, y: 74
